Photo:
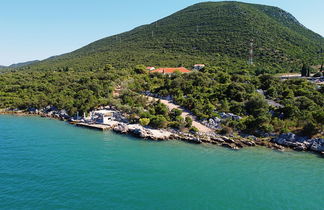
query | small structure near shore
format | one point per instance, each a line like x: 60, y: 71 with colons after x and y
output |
x: 102, y: 116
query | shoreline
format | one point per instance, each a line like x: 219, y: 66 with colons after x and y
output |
x: 136, y: 130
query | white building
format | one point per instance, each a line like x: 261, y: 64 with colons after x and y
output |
x: 199, y: 67
x: 102, y: 116
x: 150, y: 68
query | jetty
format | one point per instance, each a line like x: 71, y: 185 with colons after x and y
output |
x: 95, y: 126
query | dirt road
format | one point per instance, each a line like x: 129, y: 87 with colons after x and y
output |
x: 195, y: 123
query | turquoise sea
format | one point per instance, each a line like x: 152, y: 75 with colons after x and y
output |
x: 48, y: 164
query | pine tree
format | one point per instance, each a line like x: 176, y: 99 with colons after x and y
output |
x: 304, y: 70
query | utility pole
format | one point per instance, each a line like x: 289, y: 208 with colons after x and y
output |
x: 322, y: 59
x: 251, y: 53
x: 197, y: 29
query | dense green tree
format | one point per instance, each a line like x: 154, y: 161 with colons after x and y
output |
x: 188, y: 121
x: 159, y: 121
x: 140, y: 69
x: 305, y: 70
x: 256, y: 106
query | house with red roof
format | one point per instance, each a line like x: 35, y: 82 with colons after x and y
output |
x: 170, y: 70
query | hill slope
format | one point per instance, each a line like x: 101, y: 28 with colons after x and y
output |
x: 18, y: 65
x: 210, y: 32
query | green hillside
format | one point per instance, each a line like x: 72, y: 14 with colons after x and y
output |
x: 215, y: 33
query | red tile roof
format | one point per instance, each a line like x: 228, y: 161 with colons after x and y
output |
x: 171, y: 70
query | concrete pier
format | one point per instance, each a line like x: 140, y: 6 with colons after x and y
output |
x: 95, y: 126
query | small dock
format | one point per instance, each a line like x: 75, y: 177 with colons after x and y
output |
x: 95, y: 126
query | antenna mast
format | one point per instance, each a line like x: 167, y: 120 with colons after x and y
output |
x: 251, y: 53
x: 321, y: 58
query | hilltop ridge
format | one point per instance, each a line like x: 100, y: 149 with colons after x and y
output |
x: 207, y: 32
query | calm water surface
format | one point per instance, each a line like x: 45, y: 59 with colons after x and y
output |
x: 48, y: 164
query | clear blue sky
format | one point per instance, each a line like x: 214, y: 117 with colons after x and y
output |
x: 37, y: 29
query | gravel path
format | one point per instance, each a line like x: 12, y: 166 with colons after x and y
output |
x: 195, y: 123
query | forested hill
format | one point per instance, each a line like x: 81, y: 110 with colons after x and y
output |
x: 212, y: 32
x: 18, y: 65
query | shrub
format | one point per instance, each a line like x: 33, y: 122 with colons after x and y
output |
x: 161, y: 109
x: 226, y: 131
x: 144, y: 121
x: 188, y: 122
x: 159, y: 122
x: 176, y: 112
x: 174, y: 124
x: 309, y: 129
x: 194, y: 130
x: 140, y: 69
x: 133, y: 118
x: 256, y: 106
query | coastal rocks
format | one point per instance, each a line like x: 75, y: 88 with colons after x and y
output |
x: 249, y: 143
x: 62, y: 114
x: 277, y: 147
x: 269, y: 144
x: 317, y: 145
x: 142, y: 132
x: 224, y: 141
x: 228, y: 140
x: 196, y: 139
x: 299, y: 143
x: 121, y: 128
x: 32, y: 110
x: 49, y: 111
x: 214, y: 123
x: 231, y: 116
x: 230, y: 146
x: 217, y: 139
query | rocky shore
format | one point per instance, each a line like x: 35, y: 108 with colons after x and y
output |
x: 234, y: 143
x: 49, y: 112
x: 281, y: 142
x: 300, y: 143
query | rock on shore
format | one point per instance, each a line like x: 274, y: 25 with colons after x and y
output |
x: 142, y: 132
x: 300, y: 143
